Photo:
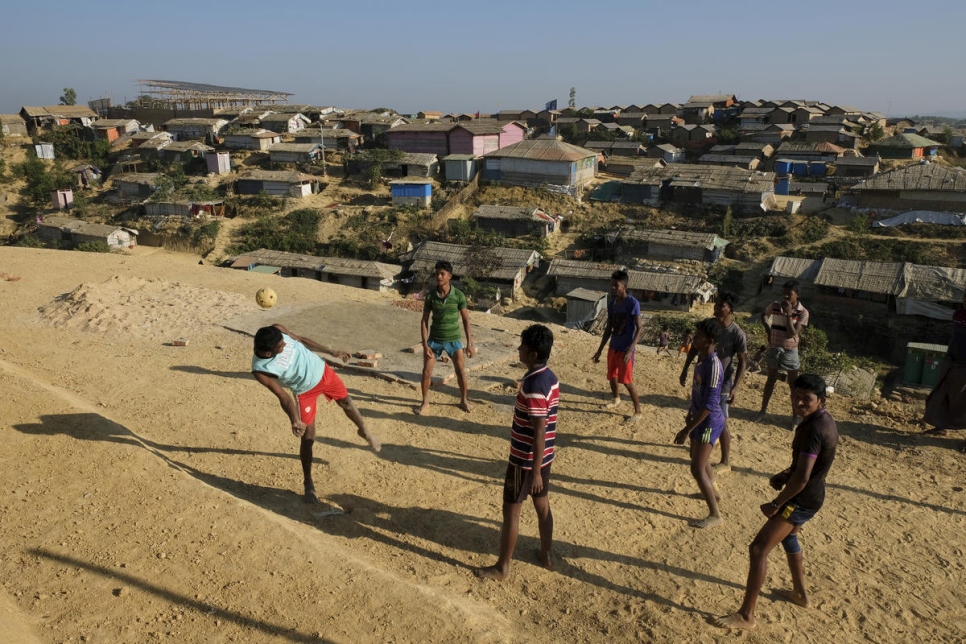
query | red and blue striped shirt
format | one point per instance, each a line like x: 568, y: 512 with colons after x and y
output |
x: 538, y: 398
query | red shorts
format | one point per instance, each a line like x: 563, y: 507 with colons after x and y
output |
x: 624, y: 373
x: 330, y: 386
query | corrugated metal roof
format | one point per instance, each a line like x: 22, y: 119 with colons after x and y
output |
x: 708, y: 241
x: 11, y: 119
x: 187, y: 146
x: 491, y: 211
x: 711, y: 98
x: 586, y: 270
x: 706, y: 176
x: 585, y: 295
x: 423, y: 127
x: 278, y: 258
x: 281, y: 118
x: 425, y: 256
x: 922, y: 176
x: 861, y: 275
x: 278, y: 175
x: 359, y: 267
x: 906, y: 141
x: 667, y: 282
x: 479, y: 129
x: 69, y: 111
x: 857, y: 161
x: 294, y: 147
x: 194, y: 121
x: 543, y: 150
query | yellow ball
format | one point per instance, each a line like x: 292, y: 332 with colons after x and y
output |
x: 266, y: 298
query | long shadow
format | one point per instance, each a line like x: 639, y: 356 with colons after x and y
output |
x: 87, y: 426
x: 186, y: 368
x: 202, y: 608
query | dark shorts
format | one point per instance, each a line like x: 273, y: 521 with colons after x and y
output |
x: 794, y: 514
x: 516, y: 487
x: 782, y: 359
x: 706, y: 434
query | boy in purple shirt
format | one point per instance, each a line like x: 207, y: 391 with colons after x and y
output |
x: 705, y: 420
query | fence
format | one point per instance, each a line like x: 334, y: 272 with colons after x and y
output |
x: 460, y: 197
x: 171, y: 242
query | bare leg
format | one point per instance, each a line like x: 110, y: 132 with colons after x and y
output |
x: 769, y: 390
x: 459, y: 363
x: 545, y: 522
x: 305, y: 455
x: 508, y: 541
x: 352, y: 412
x: 428, y: 365
x: 615, y: 395
x: 725, y: 465
x: 770, y: 535
x: 796, y: 564
x: 701, y: 471
x: 632, y: 390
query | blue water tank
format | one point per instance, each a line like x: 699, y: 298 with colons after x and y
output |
x: 817, y: 168
x: 781, y: 188
x: 783, y: 166
x: 800, y: 168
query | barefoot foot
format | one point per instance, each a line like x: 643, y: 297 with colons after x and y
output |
x: 545, y: 559
x: 370, y: 438
x: 612, y: 404
x: 492, y: 573
x: 310, y: 497
x: 708, y: 522
x: 737, y: 620
x: 633, y: 420
x: 422, y: 409
x: 794, y: 597
x: 464, y: 405
x: 721, y: 468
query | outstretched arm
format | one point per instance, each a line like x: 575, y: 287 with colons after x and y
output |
x: 284, y: 399
x: 315, y: 346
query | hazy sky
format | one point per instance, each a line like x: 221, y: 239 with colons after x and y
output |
x: 899, y: 58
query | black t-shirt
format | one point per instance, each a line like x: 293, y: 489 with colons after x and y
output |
x: 817, y: 436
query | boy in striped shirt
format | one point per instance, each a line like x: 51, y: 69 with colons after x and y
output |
x: 705, y: 420
x: 532, y: 437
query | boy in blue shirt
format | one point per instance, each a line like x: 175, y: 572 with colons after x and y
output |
x: 705, y: 420
x: 624, y: 332
x: 283, y: 361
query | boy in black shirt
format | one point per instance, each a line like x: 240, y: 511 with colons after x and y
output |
x: 813, y: 450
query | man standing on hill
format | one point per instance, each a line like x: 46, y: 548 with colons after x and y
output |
x: 447, y: 306
x: 731, y: 345
x: 783, y: 324
x: 624, y: 331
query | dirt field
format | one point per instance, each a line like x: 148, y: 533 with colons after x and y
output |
x: 151, y: 492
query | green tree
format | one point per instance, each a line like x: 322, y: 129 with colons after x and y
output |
x: 875, y: 132
x: 728, y: 136
x: 39, y: 181
x: 727, y: 223
x: 572, y: 101
x: 69, y: 97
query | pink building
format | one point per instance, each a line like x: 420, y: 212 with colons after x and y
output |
x: 443, y: 139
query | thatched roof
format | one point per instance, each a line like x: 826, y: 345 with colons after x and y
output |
x: 861, y: 275
x: 508, y: 261
x: 794, y: 268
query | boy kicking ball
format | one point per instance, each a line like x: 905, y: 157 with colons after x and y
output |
x: 532, y: 438
x: 705, y: 420
x: 813, y: 450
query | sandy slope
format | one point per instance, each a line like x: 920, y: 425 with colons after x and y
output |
x: 150, y: 492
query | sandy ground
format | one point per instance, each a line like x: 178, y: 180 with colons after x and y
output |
x: 151, y: 492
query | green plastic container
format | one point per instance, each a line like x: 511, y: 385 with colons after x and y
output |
x: 930, y: 371
x: 915, y: 364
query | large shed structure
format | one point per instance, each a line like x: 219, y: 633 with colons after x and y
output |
x: 542, y: 161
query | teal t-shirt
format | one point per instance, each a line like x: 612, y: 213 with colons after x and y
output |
x: 296, y: 367
x: 445, y: 326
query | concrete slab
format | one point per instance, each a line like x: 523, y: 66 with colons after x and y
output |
x: 389, y: 330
